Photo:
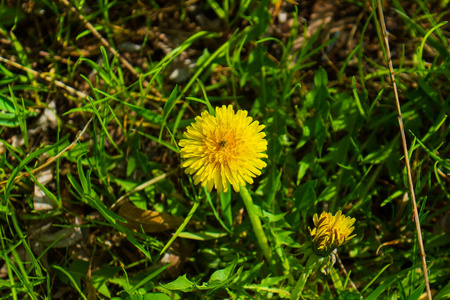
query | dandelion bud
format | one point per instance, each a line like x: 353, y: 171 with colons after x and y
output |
x: 331, y: 231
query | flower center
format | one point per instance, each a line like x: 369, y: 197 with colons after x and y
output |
x: 222, y: 146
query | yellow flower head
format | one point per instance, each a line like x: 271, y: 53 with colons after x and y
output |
x: 223, y: 149
x: 331, y: 231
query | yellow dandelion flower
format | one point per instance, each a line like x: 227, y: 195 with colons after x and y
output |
x: 223, y: 149
x: 331, y: 231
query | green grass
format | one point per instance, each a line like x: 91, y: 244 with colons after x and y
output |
x: 121, y: 205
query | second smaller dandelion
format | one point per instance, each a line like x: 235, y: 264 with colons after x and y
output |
x: 331, y: 231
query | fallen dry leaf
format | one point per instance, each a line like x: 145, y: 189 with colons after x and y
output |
x: 148, y: 220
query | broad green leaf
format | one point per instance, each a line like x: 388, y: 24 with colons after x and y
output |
x: 224, y: 274
x: 270, y: 281
x: 139, y: 296
x: 283, y: 237
x: 101, y: 277
x: 417, y: 292
x: 180, y: 284
x: 321, y: 78
x: 248, y: 276
x: 156, y: 296
x: 443, y: 293
x: 304, y: 165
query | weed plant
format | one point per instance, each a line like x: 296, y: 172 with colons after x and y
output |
x: 95, y: 202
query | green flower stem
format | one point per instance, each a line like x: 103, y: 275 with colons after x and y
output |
x: 256, y: 224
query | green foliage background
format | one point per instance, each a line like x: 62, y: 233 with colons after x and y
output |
x: 331, y: 124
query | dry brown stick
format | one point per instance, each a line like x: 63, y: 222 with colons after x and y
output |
x: 43, y: 76
x: 101, y: 38
x: 405, y: 151
x: 341, y: 265
x: 60, y: 84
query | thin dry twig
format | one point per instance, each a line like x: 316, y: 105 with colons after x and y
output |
x: 58, y: 84
x: 101, y: 38
x: 53, y: 158
x: 342, y: 267
x: 48, y: 78
x: 405, y: 151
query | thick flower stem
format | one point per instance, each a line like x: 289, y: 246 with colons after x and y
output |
x: 256, y: 224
